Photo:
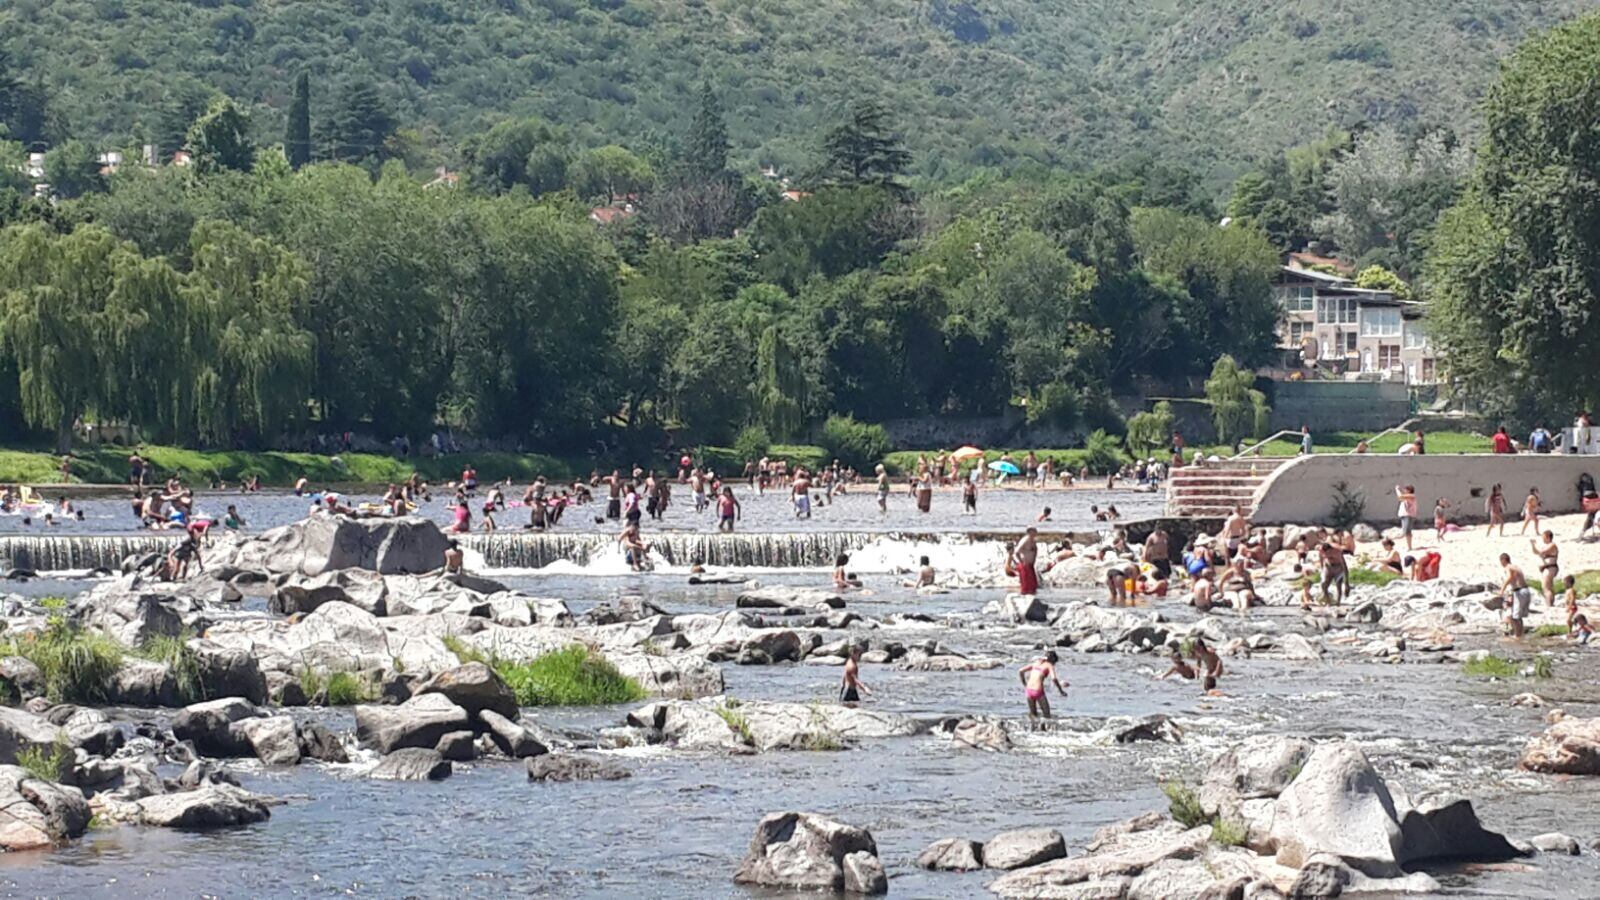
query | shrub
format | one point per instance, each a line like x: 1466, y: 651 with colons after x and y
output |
x: 1348, y: 505
x: 1228, y: 833
x: 1543, y: 667
x: 751, y: 444
x: 573, y: 676
x: 1101, y: 454
x: 1148, y: 431
x: 1490, y: 666
x: 857, y: 444
x: 1549, y: 631
x: 346, y: 689
x: 1184, y: 805
x: 180, y: 660
x: 49, y: 764
x: 77, y: 665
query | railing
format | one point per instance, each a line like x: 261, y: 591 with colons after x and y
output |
x: 1259, y: 444
x: 1403, y: 426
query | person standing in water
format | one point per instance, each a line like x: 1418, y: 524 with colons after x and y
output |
x: 883, y: 489
x: 925, y: 491
x: 1033, y: 677
x: 850, y: 684
x: 728, y: 509
x: 1521, y: 599
x: 1023, y: 558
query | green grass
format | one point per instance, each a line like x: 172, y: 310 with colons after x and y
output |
x: 1369, y: 577
x: 572, y: 676
x: 337, y: 689
x: 737, y: 722
x: 1228, y: 833
x: 49, y: 764
x: 180, y: 660
x: 1588, y: 583
x: 725, y: 462
x: 1549, y: 631
x: 1184, y: 805
x: 1544, y: 667
x: 77, y: 665
x: 904, y: 462
x: 1439, y: 443
x: 1490, y: 666
x: 464, y: 652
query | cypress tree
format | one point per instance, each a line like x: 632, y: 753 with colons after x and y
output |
x: 297, y: 137
x: 708, y: 138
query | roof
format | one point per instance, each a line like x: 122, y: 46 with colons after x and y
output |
x: 605, y: 215
x: 796, y: 195
x: 1307, y: 260
x: 1324, y: 277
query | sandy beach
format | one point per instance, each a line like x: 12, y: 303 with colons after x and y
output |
x: 1470, y: 555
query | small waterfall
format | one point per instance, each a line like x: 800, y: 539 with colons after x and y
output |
x: 740, y: 550
x: 58, y: 552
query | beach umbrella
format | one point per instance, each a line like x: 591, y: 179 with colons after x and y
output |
x: 966, y: 453
x: 1001, y: 465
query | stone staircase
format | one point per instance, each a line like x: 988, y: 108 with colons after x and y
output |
x: 1212, y: 490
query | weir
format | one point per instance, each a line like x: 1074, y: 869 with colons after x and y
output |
x: 58, y: 552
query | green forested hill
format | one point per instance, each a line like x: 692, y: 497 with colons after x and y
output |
x: 1211, y: 83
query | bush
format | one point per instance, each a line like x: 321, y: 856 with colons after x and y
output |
x: 736, y: 721
x: 180, y: 660
x: 751, y: 444
x: 856, y: 444
x: 77, y: 665
x: 1490, y: 666
x: 1228, y: 833
x: 346, y: 689
x: 49, y: 764
x: 1184, y: 805
x: 1149, y: 431
x: 573, y: 676
x: 1348, y: 506
x: 1102, y: 455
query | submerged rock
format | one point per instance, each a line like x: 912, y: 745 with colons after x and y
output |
x: 1130, y: 855
x: 573, y: 767
x: 808, y: 852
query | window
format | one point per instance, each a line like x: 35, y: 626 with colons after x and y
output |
x: 1380, y: 321
x: 1427, y: 372
x: 1299, y: 333
x: 1350, y: 338
x: 1297, y: 298
x: 1416, y: 336
x: 1388, y: 357
x: 1336, y: 310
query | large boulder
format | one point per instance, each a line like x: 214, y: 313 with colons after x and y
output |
x: 210, y: 726
x: 413, y: 764
x: 322, y: 543
x: 1023, y: 847
x: 555, y: 767
x: 274, y: 739
x: 952, y: 855
x: 1257, y: 767
x: 360, y: 588
x: 317, y: 742
x: 23, y: 679
x: 131, y: 614
x: 510, y: 738
x: 212, y: 805
x: 805, y: 851
x: 228, y: 672
x: 418, y: 722
x: 144, y: 682
x: 21, y: 730
x: 1019, y: 608
x: 782, y: 597
x: 474, y: 687
x: 1571, y: 746
x: 35, y: 814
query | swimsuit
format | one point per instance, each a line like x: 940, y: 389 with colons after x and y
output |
x: 1027, y: 579
x: 1035, y: 693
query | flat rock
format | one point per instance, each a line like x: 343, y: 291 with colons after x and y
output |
x: 1054, y: 878
x: 474, y: 687
x: 210, y: 806
x: 573, y: 767
x: 1023, y: 847
x: 412, y: 764
x: 952, y: 855
x: 418, y: 722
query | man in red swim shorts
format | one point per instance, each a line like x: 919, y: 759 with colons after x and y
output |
x: 1023, y: 557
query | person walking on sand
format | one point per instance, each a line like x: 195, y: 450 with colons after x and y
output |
x: 1495, y: 509
x: 1530, y: 511
x: 1023, y: 558
x: 1549, y: 564
x: 1407, y: 511
x: 1033, y: 677
x: 850, y: 684
x: 1516, y: 584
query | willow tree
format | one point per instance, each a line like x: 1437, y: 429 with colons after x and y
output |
x: 53, y: 293
x: 260, y: 366
x: 780, y: 386
x: 152, y: 340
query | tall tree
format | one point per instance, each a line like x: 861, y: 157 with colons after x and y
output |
x: 609, y: 172
x: 359, y: 127
x: 1514, y: 269
x: 220, y: 139
x: 863, y: 149
x: 780, y: 386
x: 297, y: 135
x: 706, y: 156
x: 529, y: 152
x: 73, y: 169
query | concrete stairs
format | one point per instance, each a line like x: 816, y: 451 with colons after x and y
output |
x: 1212, y: 490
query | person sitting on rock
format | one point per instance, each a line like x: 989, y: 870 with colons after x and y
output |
x: 1201, y: 590
x: 1237, y: 586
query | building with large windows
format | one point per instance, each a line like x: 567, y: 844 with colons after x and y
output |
x: 1331, y: 328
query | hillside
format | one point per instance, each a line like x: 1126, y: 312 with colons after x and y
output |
x: 1211, y: 83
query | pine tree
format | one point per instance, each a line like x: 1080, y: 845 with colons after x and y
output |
x: 297, y: 137
x: 707, y: 155
x: 862, y: 150
x: 360, y: 126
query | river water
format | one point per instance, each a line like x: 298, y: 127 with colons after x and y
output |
x: 679, y: 826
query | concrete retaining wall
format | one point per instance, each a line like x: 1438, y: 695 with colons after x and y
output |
x: 1302, y: 491
x: 1339, y: 405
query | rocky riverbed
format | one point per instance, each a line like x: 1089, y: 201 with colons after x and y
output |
x: 257, y: 788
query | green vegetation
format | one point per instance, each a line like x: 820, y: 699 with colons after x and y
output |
x: 1587, y: 584
x: 573, y: 676
x: 1491, y: 666
x: 335, y: 689
x: 49, y: 764
x: 180, y: 660
x: 1544, y: 666
x: 1228, y: 833
x: 1551, y: 630
x: 77, y: 665
x: 737, y: 722
x: 1370, y: 577
x: 1184, y: 805
x: 1348, y: 507
x: 854, y: 443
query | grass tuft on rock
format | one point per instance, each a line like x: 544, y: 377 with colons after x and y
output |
x: 1544, y: 667
x: 1184, y: 805
x: 47, y: 763
x: 337, y: 689
x: 1228, y: 833
x: 78, y: 665
x: 1490, y: 666
x: 737, y: 722
x: 465, y: 653
x: 175, y: 653
x: 1374, y: 579
x: 571, y: 676
x: 1552, y: 630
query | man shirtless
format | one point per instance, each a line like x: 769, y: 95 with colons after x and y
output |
x: 1023, y: 558
x: 1521, y: 598
x: 1234, y: 530
x: 851, y: 685
x: 1207, y: 663
x: 1157, y: 553
x: 1335, y: 572
x: 1033, y: 676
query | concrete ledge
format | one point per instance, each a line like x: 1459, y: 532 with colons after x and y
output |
x: 1302, y: 491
